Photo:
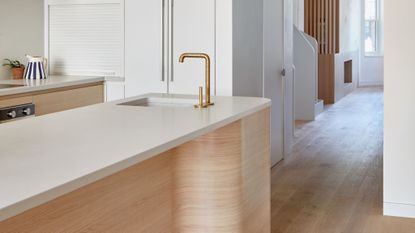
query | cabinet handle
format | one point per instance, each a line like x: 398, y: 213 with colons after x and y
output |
x: 162, y: 40
x: 171, y: 28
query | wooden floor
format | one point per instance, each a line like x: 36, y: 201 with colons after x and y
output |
x: 332, y: 182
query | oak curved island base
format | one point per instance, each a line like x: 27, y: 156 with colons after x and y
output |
x: 217, y: 182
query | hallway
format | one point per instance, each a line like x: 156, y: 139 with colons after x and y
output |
x: 332, y: 182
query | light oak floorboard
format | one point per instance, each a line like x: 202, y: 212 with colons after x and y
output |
x: 332, y: 182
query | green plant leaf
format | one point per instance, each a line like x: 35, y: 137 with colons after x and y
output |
x: 13, y: 63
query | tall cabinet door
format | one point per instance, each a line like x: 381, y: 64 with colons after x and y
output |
x: 192, y: 30
x: 144, y: 47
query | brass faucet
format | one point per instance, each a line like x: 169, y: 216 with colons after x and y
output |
x: 207, y: 102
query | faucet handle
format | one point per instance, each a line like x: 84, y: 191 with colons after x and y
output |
x: 201, y: 104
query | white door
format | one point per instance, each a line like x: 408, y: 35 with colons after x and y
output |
x: 276, y: 58
x: 144, y: 25
x: 193, y: 30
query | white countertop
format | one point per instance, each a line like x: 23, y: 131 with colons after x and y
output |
x: 45, y: 157
x: 50, y: 83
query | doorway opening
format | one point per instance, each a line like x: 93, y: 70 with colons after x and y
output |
x: 338, y: 48
x: 337, y: 156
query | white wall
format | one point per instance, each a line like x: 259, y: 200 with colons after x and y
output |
x: 351, y: 39
x: 399, y: 153
x: 21, y: 30
x: 342, y: 89
x: 371, y: 70
x: 248, y: 47
x: 224, y: 43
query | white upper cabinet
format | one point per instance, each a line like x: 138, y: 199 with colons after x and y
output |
x: 193, y: 30
x: 145, y: 38
x: 142, y: 40
x: 85, y: 37
x: 157, y: 32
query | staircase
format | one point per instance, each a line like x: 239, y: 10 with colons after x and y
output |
x: 307, y: 104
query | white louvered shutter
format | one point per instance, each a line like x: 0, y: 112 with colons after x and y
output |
x: 86, y: 38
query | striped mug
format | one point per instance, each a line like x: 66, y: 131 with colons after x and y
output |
x: 36, y: 68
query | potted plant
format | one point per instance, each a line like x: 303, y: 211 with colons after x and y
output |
x: 16, y: 68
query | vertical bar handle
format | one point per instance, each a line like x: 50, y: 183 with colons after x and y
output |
x: 162, y: 40
x: 171, y: 30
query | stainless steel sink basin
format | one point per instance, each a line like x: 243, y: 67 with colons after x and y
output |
x: 162, y: 102
x: 4, y: 86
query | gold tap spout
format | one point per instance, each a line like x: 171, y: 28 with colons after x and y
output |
x: 207, y: 71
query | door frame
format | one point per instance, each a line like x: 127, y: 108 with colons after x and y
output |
x: 288, y: 79
x: 274, y: 84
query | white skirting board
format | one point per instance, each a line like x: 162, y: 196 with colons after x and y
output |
x: 399, y: 210
x: 319, y: 108
x: 370, y: 83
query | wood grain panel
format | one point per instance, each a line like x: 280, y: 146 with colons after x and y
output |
x: 50, y: 90
x: 207, y: 183
x: 326, y: 78
x: 314, y: 19
x: 330, y: 25
x: 137, y: 199
x: 326, y: 26
x: 318, y: 25
x: 68, y: 99
x: 322, y: 22
x: 337, y: 26
x: 307, y: 16
x: 255, y: 173
x: 15, y: 101
x: 58, y: 99
x: 230, y: 169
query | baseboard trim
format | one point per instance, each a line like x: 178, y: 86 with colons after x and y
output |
x: 370, y: 83
x: 318, y: 108
x: 399, y: 210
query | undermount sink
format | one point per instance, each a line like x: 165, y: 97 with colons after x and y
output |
x: 4, y: 86
x: 161, y: 102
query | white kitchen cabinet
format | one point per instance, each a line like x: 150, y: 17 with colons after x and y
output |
x: 144, y: 51
x: 85, y: 38
x: 141, y: 40
x: 193, y: 30
x: 157, y: 32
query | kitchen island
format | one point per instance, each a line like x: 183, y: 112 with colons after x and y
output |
x: 145, y: 168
